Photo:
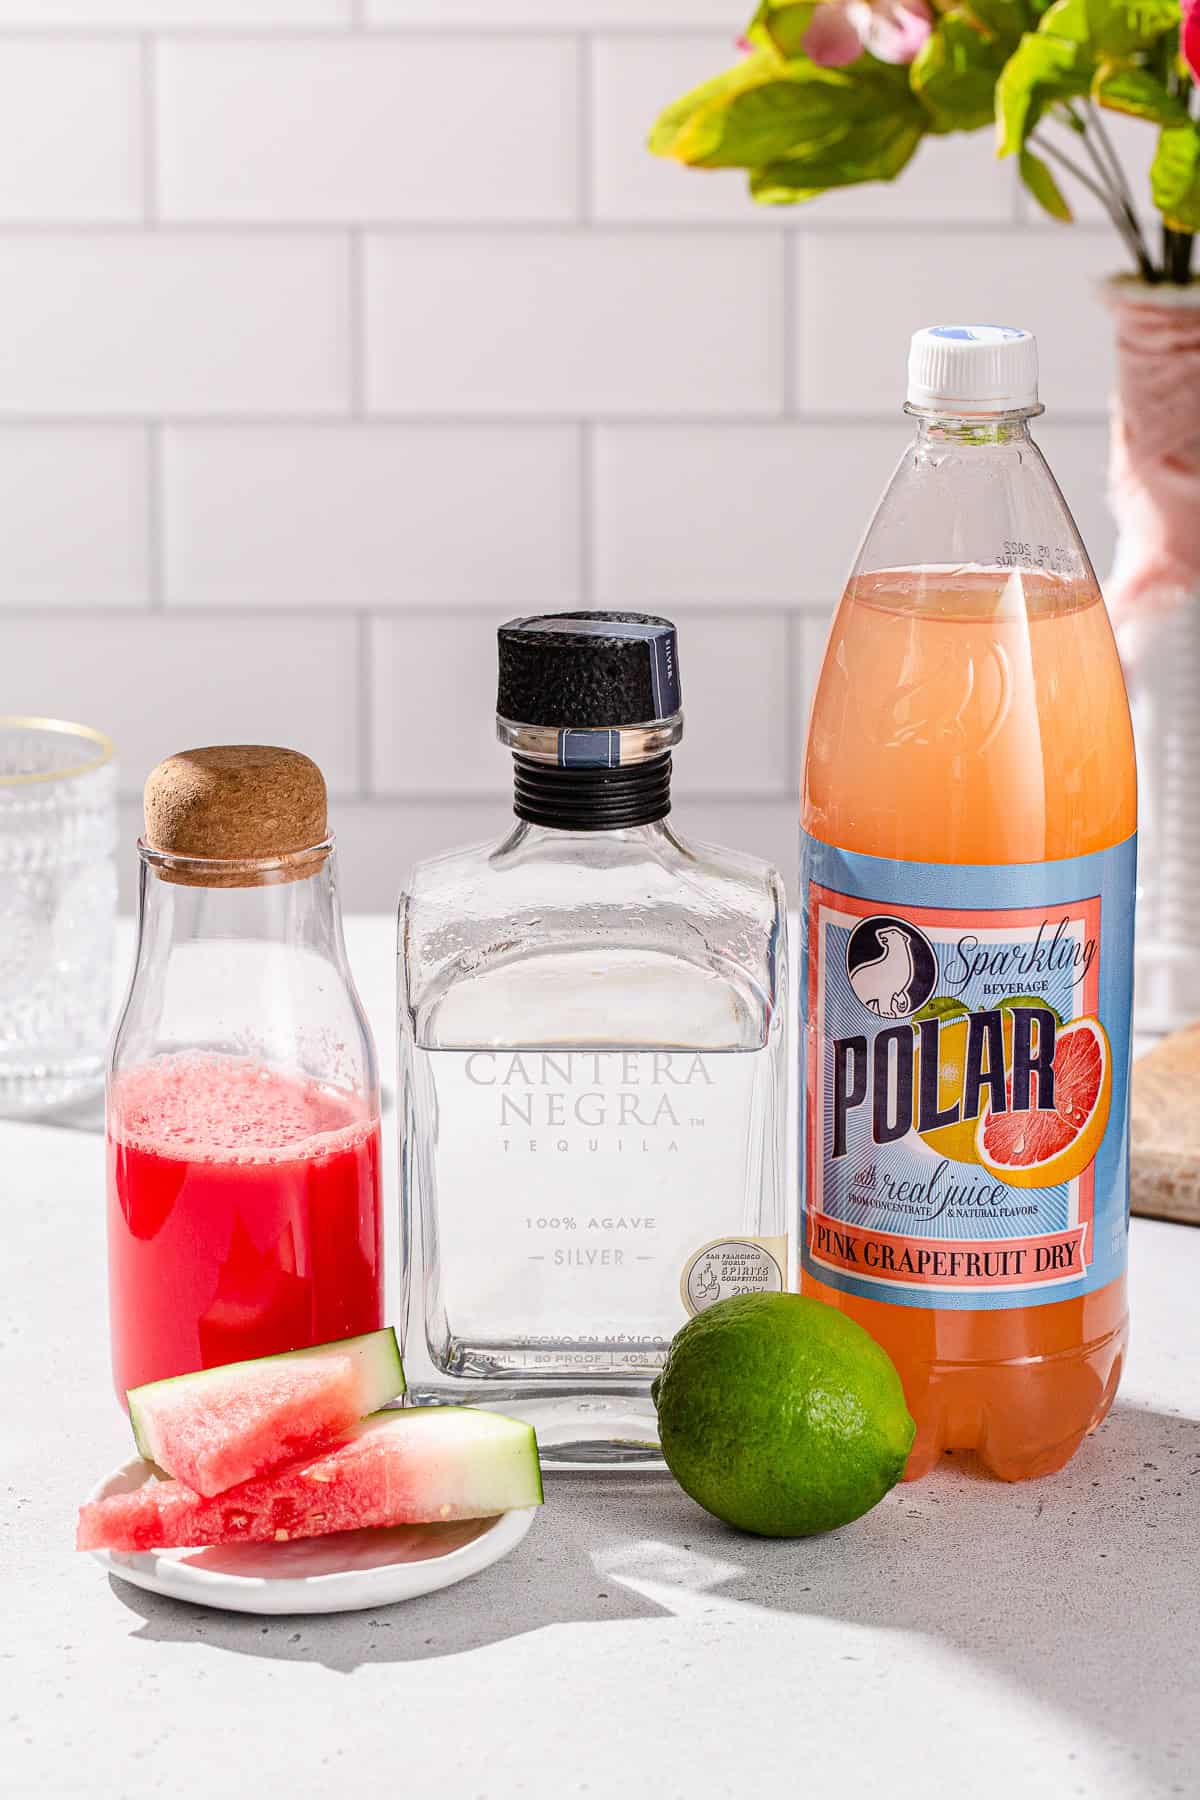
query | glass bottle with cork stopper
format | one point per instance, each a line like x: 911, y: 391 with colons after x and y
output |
x: 244, y: 1209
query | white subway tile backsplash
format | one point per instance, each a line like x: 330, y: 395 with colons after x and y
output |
x: 950, y: 179
x: 338, y: 331
x: 579, y: 13
x: 433, y: 706
x: 633, y: 78
x: 357, y: 129
x: 76, y: 156
x: 735, y: 699
x: 762, y: 827
x: 847, y: 363
x: 719, y: 515
x: 181, y: 682
x: 164, y: 15
x: 173, y: 324
x: 1078, y: 455
x: 379, y: 843
x: 73, y: 522
x: 372, y: 517
x: 606, y: 323
x: 953, y: 180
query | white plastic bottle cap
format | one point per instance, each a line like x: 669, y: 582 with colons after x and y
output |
x: 973, y: 368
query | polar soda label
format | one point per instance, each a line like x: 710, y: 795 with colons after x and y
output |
x: 967, y: 1076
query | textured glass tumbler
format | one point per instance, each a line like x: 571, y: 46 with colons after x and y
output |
x: 58, y: 887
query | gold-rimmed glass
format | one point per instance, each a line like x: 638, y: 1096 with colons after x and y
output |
x: 58, y: 883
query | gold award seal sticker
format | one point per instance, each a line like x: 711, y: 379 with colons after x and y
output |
x: 731, y: 1266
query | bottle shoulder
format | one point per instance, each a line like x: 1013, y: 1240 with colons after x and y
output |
x: 563, y: 924
x: 581, y: 876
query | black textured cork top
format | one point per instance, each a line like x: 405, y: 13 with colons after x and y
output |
x: 582, y: 669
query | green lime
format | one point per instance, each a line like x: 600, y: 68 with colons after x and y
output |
x: 780, y: 1415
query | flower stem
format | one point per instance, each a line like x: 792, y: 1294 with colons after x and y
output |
x: 1112, y: 177
x: 1107, y: 199
x: 1114, y: 162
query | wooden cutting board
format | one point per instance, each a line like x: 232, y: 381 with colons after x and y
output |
x: 1165, y: 1132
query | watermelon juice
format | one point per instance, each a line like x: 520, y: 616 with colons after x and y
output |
x: 244, y: 1215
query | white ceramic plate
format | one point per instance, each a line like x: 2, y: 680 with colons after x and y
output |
x: 344, y: 1572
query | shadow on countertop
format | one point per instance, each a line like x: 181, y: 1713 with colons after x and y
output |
x: 1083, y: 1589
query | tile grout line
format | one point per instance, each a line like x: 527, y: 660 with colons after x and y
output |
x: 148, y: 69
x: 789, y: 326
x: 384, y: 420
x: 478, y: 226
x: 156, y: 571
x: 366, y: 710
x: 357, y: 322
x: 793, y: 643
x: 586, y: 503
x: 584, y: 130
x: 354, y: 18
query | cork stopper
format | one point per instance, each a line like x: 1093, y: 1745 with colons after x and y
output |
x: 255, y: 814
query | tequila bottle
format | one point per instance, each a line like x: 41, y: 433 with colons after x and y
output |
x: 591, y: 1018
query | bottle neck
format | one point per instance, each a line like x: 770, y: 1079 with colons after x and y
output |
x: 946, y: 430
x: 183, y: 900
x: 591, y: 799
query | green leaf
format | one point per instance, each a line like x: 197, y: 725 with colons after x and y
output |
x: 1067, y: 19
x: 781, y: 25
x: 1136, y: 91
x: 1041, y: 69
x: 1175, y: 177
x: 763, y: 110
x: 1111, y: 28
x: 1041, y: 184
x: 1006, y: 20
x: 876, y: 150
x: 754, y: 111
x: 955, y: 72
x: 1121, y: 28
x: 692, y: 127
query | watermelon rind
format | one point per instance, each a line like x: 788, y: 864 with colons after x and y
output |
x: 376, y: 1352
x: 405, y: 1466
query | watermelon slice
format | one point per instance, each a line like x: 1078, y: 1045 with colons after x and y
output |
x: 220, y: 1427
x: 411, y: 1467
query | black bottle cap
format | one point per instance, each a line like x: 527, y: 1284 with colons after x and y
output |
x: 589, y: 669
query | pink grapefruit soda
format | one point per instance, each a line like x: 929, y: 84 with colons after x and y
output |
x: 969, y: 787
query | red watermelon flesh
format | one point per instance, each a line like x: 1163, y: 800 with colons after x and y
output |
x: 413, y: 1467
x: 217, y: 1428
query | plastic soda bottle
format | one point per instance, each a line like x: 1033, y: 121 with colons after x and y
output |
x: 967, y: 889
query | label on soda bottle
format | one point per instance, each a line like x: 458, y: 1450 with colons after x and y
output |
x: 965, y: 1087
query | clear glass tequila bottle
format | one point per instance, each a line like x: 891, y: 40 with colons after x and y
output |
x: 591, y: 1017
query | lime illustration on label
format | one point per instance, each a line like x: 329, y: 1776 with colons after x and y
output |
x: 965, y: 1103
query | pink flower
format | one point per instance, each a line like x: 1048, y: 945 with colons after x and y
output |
x: 892, y: 30
x: 1189, y: 41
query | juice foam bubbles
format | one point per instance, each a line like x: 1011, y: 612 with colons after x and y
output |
x: 968, y: 854
x: 232, y: 1109
x: 244, y: 1215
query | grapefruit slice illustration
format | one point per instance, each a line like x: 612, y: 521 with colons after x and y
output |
x: 1042, y: 1149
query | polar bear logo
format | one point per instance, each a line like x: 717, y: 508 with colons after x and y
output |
x: 891, y: 966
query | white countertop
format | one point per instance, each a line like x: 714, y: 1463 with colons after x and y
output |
x: 1039, y: 1640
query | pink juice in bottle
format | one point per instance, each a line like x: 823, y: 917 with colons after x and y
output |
x: 244, y: 1215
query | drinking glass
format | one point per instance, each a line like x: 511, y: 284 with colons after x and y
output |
x: 58, y: 886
